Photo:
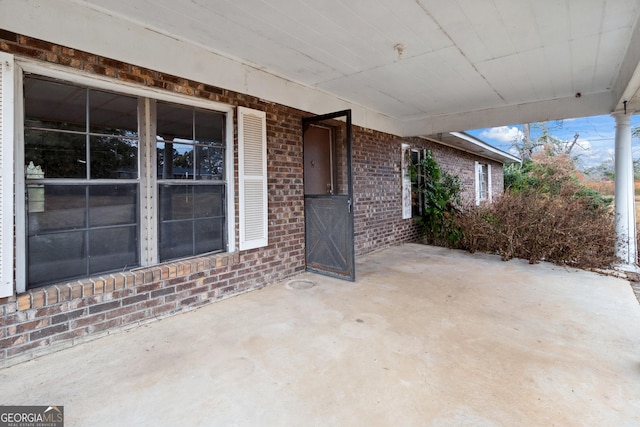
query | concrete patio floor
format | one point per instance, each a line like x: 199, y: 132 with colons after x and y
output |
x: 425, y: 337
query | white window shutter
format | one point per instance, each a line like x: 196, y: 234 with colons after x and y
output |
x: 7, y: 67
x: 406, y: 182
x: 252, y: 178
x: 489, y: 189
x: 477, y: 173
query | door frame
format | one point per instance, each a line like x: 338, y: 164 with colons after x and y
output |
x: 351, y: 275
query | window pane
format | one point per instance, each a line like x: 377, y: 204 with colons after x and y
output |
x: 191, y: 220
x: 174, y: 122
x: 209, y: 163
x: 56, y: 257
x: 415, y: 157
x: 209, y: 235
x: 113, y: 249
x: 209, y: 201
x: 175, y: 161
x: 113, y: 114
x: 58, y: 226
x: 114, y: 158
x: 209, y: 127
x: 61, y: 155
x: 176, y: 240
x: 56, y: 208
x: 176, y: 202
x: 77, y: 230
x: 54, y: 105
x: 113, y: 205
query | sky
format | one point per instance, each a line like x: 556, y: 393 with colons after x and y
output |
x: 596, y: 138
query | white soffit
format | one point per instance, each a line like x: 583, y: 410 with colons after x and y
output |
x: 404, y: 66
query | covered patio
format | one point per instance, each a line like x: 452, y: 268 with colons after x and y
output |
x: 424, y: 336
x: 409, y: 68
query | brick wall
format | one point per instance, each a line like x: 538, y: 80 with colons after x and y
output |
x: 462, y: 164
x: 60, y: 315
x: 377, y: 188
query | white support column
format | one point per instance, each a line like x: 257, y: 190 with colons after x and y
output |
x: 625, y: 208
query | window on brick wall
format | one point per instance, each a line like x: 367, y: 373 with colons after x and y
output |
x: 114, y: 181
x: 483, y: 182
x: 190, y: 170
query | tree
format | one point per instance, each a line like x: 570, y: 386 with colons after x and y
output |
x: 526, y: 147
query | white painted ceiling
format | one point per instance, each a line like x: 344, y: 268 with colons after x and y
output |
x: 480, y: 58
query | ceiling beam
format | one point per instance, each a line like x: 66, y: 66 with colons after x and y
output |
x: 553, y: 109
x: 627, y: 84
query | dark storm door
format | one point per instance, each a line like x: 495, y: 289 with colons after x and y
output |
x: 328, y: 198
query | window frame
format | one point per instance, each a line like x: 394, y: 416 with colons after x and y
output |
x: 406, y: 181
x: 148, y: 183
x: 483, y: 178
x: 7, y: 153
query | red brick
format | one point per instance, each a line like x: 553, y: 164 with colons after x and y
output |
x: 76, y: 290
x: 46, y: 332
x: 87, y: 289
x: 67, y: 316
x: 173, y: 271
x: 32, y: 325
x: 163, y: 309
x: 122, y: 293
x: 119, y: 282
x: 148, y: 287
x: 110, y: 63
x: 175, y: 281
x: 64, y: 293
x: 185, y: 286
x: 9, y: 36
x: 148, y: 304
x: 76, y: 333
x: 14, y: 340
x: 106, y: 325
x: 26, y: 347
x: 37, y: 298
x: 109, y: 284
x: 93, y: 309
x: 87, y: 321
x: 134, y: 299
x: 134, y: 317
x: 189, y: 301
x: 122, y: 311
x: 38, y: 44
x: 162, y: 292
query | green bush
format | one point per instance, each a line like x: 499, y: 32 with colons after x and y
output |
x: 440, y: 195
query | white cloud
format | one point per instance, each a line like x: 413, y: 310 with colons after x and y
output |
x: 504, y: 134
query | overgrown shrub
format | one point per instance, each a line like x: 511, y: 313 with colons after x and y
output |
x: 539, y: 227
x: 440, y: 195
x: 546, y: 214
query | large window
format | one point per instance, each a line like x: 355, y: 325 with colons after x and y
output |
x: 84, y: 193
x: 190, y: 167
x: 81, y: 148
